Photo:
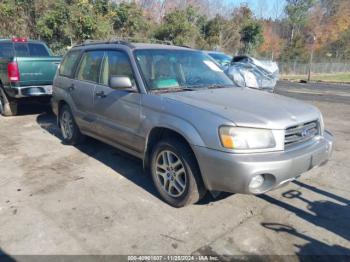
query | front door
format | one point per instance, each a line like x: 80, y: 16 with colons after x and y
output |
x: 118, y: 111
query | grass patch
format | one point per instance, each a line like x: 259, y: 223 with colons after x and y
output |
x: 340, y: 78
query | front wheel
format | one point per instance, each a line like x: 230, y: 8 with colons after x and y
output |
x: 8, y: 106
x: 175, y: 173
x: 69, y: 129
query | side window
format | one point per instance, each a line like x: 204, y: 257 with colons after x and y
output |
x: 6, y: 50
x: 37, y: 50
x: 116, y: 63
x: 89, y: 69
x: 68, y: 63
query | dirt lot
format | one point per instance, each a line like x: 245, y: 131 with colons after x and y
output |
x: 93, y: 199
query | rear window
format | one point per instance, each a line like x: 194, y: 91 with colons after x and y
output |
x: 30, y: 49
x: 6, y: 50
x: 21, y: 49
x: 37, y: 50
x: 68, y: 63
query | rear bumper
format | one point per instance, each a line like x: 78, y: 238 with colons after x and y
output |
x: 29, y: 91
x: 228, y: 172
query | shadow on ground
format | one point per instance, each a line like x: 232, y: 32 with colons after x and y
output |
x: 5, y: 257
x: 333, y: 216
x: 124, y: 164
x: 33, y: 107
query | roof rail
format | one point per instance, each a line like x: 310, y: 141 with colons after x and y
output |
x: 126, y: 41
x: 149, y: 40
x: 112, y: 41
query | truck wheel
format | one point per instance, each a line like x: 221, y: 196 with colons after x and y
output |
x: 176, y: 174
x: 69, y: 129
x: 8, y: 106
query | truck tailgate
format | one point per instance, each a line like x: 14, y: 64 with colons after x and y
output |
x: 37, y: 70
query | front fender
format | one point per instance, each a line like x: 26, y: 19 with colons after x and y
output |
x: 176, y: 124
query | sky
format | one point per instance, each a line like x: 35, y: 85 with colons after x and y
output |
x: 264, y: 8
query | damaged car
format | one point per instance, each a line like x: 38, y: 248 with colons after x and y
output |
x: 246, y: 71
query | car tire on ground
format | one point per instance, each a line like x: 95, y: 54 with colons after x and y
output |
x: 69, y: 129
x: 8, y: 105
x: 176, y: 174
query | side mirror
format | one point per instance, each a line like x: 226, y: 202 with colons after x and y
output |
x: 120, y: 82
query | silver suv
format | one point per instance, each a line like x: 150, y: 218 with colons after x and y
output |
x: 174, y: 108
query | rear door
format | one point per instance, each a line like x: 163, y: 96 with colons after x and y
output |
x: 83, y: 87
x: 118, y: 111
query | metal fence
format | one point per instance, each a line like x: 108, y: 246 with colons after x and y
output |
x: 295, y: 68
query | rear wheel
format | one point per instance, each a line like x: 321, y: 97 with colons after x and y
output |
x: 175, y: 173
x: 8, y: 105
x: 69, y: 129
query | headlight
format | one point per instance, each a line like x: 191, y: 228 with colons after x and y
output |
x: 246, y: 138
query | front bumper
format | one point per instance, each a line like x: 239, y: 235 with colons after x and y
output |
x: 29, y: 91
x: 222, y: 171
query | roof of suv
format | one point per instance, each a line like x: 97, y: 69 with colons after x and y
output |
x: 134, y: 45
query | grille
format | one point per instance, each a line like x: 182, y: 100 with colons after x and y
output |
x: 301, y: 133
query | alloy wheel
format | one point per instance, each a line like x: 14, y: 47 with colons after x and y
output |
x: 171, y: 173
x: 67, y: 125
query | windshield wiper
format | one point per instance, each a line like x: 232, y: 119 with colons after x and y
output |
x: 213, y: 86
x: 190, y: 88
x: 172, y: 89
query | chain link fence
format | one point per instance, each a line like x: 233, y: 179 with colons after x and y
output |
x: 295, y: 68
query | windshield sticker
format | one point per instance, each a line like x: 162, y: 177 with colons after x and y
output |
x: 212, y: 66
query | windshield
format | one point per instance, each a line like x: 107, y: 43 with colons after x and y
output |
x: 179, y: 69
x: 221, y: 58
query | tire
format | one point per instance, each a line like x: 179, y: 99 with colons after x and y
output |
x: 69, y: 129
x: 8, y: 105
x: 178, y: 183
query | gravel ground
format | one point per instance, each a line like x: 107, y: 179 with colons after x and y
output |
x: 93, y: 199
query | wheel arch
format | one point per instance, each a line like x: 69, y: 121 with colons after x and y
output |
x: 60, y: 104
x: 155, y: 135
x: 159, y: 133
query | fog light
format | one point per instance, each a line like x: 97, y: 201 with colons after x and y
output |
x: 256, y: 182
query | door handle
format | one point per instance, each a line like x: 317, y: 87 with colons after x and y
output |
x: 100, y: 94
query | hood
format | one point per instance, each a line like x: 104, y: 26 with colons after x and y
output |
x: 248, y: 107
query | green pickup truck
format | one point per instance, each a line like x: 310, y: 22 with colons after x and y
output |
x: 27, y: 69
